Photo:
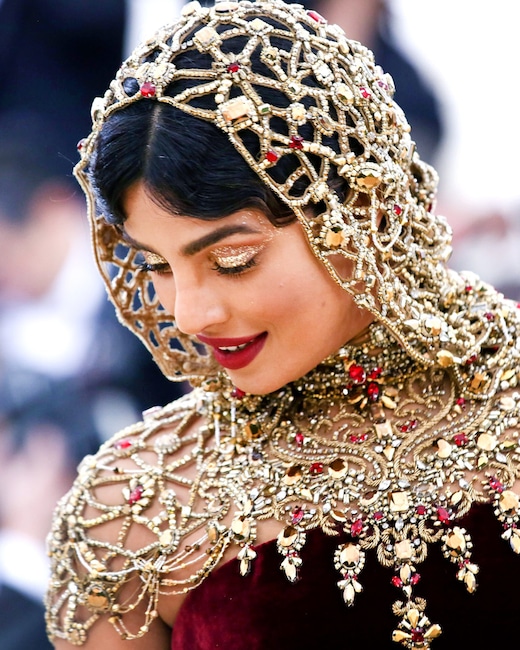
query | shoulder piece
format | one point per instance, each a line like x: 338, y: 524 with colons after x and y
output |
x: 369, y: 445
x: 129, y: 523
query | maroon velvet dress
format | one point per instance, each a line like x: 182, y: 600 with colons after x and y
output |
x: 264, y: 611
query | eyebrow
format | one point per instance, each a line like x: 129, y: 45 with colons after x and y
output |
x: 200, y: 244
x: 215, y: 236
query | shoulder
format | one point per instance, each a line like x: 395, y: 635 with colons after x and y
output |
x: 121, y: 530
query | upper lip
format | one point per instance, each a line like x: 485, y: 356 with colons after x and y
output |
x: 226, y: 342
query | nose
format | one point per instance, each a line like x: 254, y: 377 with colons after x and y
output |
x: 195, y: 306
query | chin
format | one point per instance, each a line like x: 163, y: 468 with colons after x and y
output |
x: 256, y: 385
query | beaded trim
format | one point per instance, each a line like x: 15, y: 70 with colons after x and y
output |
x: 332, y: 87
x: 371, y: 443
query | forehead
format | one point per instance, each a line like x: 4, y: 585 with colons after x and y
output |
x: 148, y: 225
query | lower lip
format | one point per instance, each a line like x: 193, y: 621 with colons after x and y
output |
x: 240, y: 358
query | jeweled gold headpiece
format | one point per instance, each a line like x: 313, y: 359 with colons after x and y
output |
x: 331, y: 86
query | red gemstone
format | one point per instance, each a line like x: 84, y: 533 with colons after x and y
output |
x: 443, y: 515
x: 356, y: 527
x: 81, y: 144
x: 397, y: 582
x: 375, y: 373
x: 365, y: 92
x: 461, y: 402
x: 373, y: 392
x: 233, y: 67
x: 415, y: 578
x: 135, y: 494
x: 237, y: 393
x: 359, y: 437
x: 460, y: 439
x: 495, y: 484
x: 490, y: 316
x: 472, y: 359
x: 409, y: 426
x: 299, y: 438
x: 378, y: 515
x: 297, y: 515
x: 417, y: 635
x: 398, y: 210
x: 316, y: 16
x: 357, y: 374
x: 123, y: 444
x: 421, y: 510
x: 148, y: 89
x: 316, y: 468
x: 296, y: 142
x: 272, y: 156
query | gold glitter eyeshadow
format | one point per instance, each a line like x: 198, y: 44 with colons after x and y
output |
x: 228, y: 257
x: 153, y: 258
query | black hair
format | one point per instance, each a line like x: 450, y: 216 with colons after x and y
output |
x: 189, y: 166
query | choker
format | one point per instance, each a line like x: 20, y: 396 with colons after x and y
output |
x: 374, y: 445
x: 370, y: 446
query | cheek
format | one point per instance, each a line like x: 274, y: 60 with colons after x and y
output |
x: 296, y: 298
x: 343, y: 266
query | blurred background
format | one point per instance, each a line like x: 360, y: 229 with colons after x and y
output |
x: 70, y: 375
x: 469, y: 51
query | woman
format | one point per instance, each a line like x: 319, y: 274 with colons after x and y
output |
x: 349, y: 448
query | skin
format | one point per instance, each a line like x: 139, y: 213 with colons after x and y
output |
x: 235, y: 277
x: 262, y: 280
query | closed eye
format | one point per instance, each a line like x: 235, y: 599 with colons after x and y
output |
x: 235, y: 260
x: 234, y: 270
x: 162, y: 268
x: 153, y: 263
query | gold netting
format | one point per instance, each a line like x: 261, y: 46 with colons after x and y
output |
x: 334, y: 118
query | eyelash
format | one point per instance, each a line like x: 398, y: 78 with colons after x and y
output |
x: 161, y: 269
x: 235, y: 270
x: 164, y: 269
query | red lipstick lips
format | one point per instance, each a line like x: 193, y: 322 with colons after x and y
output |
x: 237, y: 353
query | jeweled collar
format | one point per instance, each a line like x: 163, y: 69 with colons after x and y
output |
x: 363, y: 372
x: 385, y: 452
x: 372, y: 445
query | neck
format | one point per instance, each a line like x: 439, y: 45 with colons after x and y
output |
x: 360, y: 377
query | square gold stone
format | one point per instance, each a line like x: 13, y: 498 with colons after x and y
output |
x: 236, y: 109
x: 383, y: 429
x: 399, y: 502
x: 258, y: 25
x: 205, y: 37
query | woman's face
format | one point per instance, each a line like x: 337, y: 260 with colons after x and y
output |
x: 254, y: 293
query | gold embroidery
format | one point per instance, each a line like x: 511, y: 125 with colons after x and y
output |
x: 317, y: 460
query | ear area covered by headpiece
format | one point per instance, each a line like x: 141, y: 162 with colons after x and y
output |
x: 334, y: 120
